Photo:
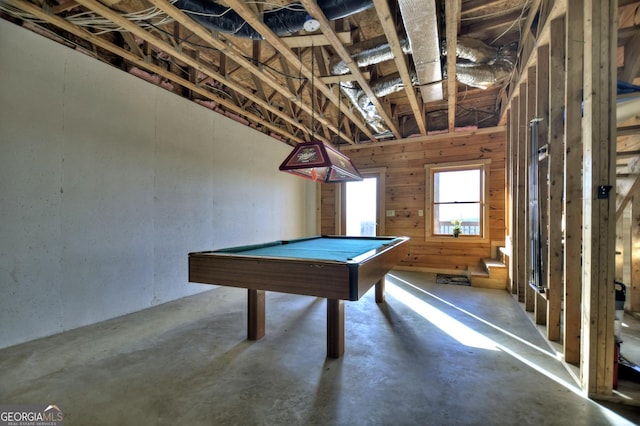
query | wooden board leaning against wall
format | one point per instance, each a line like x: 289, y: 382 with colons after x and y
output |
x: 405, y: 182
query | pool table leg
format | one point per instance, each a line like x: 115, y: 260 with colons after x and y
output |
x: 256, y: 315
x: 380, y: 291
x: 335, y: 328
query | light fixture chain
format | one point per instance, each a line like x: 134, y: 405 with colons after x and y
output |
x: 313, y: 108
x: 339, y: 114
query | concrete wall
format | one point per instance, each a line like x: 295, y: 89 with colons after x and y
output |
x: 107, y: 182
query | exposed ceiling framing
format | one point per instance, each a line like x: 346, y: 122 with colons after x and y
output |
x: 285, y: 84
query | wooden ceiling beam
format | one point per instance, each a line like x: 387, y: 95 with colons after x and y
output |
x: 291, y: 106
x: 142, y: 63
x: 314, y: 10
x: 628, y: 131
x: 230, y: 50
x: 59, y: 8
x: 240, y: 7
x: 256, y: 80
x: 180, y: 55
x: 131, y: 42
x: 389, y: 27
x: 333, y: 79
x: 631, y: 67
x: 485, y: 25
x: 627, y: 154
x: 315, y: 40
x: 452, y: 16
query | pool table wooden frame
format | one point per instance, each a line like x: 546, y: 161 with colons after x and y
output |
x: 334, y: 280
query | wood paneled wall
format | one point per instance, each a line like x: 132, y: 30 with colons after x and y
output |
x: 405, y: 181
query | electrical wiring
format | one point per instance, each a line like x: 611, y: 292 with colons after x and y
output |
x: 524, y: 8
x: 142, y: 18
x: 257, y: 62
x: 489, y: 15
x: 207, y: 15
x: 103, y: 25
x: 220, y: 15
x: 249, y: 58
x: 18, y: 13
x: 296, y: 7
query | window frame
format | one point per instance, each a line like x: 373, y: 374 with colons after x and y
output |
x: 430, y: 169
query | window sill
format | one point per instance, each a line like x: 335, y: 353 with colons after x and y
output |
x: 460, y: 240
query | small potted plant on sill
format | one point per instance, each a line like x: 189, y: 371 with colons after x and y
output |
x: 457, y: 227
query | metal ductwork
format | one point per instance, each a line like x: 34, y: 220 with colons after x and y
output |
x: 370, y: 52
x: 390, y: 84
x: 365, y: 107
x: 481, y: 65
x: 382, y: 87
x: 474, y: 50
x: 282, y: 21
x: 285, y: 21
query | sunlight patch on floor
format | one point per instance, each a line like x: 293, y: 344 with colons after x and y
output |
x: 444, y: 322
x: 554, y: 355
x: 466, y: 335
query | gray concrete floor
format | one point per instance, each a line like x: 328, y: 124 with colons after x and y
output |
x: 431, y: 355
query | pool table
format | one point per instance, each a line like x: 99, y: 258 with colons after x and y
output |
x: 337, y: 268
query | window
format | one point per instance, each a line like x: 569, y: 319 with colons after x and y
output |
x: 456, y: 193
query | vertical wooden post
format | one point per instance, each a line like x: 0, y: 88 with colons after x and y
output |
x: 573, y: 181
x: 633, y: 284
x: 556, y: 172
x: 522, y: 195
x: 513, y: 191
x: 542, y: 112
x: 599, y: 133
x: 508, y: 172
x: 529, y: 292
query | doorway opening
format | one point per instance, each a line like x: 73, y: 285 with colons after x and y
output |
x: 362, y: 207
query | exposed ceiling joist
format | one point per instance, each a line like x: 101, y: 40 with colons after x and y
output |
x: 389, y: 27
x: 139, y: 61
x: 255, y: 21
x: 313, y: 10
x: 452, y: 12
x: 262, y: 77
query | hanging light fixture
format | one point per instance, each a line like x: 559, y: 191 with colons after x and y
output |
x: 318, y: 161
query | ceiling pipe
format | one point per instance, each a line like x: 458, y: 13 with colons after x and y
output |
x: 365, y: 107
x: 283, y: 21
x: 483, y: 66
x: 369, y: 52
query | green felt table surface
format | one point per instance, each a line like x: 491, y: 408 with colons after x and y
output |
x: 322, y: 248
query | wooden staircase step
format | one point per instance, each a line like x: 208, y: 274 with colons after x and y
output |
x: 493, y: 263
x: 477, y: 271
x: 496, y: 268
x: 490, y: 273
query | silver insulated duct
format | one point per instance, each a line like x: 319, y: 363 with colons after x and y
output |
x: 420, y: 22
x: 370, y: 52
x: 382, y: 87
x: 481, y: 65
x: 478, y: 65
